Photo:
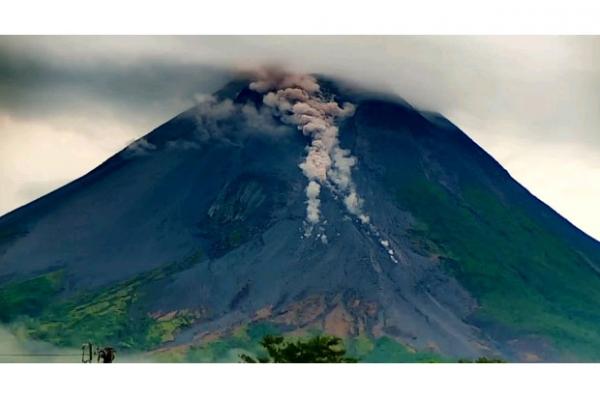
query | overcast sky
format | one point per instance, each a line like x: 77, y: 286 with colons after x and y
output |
x: 68, y: 103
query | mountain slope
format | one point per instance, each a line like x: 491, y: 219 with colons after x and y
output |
x: 191, y: 242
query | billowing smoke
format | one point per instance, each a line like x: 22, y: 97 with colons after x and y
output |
x: 296, y: 99
x: 139, y: 147
x: 210, y: 111
x: 215, y: 119
x: 222, y: 119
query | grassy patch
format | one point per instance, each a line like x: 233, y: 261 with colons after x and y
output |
x: 115, y: 315
x: 245, y: 339
x: 388, y: 350
x: 29, y: 297
x: 165, y: 330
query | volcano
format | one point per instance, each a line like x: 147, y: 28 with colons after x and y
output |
x: 197, y: 239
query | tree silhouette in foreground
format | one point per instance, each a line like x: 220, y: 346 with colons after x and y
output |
x: 482, y: 359
x: 319, y: 349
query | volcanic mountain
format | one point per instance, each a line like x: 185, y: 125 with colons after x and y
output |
x: 197, y: 239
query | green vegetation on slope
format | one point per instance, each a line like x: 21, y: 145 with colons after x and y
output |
x: 246, y: 340
x: 29, y: 297
x: 114, y: 315
x: 527, y: 280
x: 388, y: 350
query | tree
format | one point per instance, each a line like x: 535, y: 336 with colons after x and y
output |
x: 318, y: 349
x: 482, y: 359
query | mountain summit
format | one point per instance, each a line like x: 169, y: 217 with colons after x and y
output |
x: 290, y: 204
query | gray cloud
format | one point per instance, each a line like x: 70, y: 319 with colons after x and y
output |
x: 34, y: 84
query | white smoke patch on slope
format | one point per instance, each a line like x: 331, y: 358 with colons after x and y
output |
x: 296, y: 99
x: 183, y: 145
x: 389, y: 250
x: 324, y: 238
x: 261, y: 120
x: 211, y: 110
x: 211, y: 113
x: 216, y: 118
x: 139, y: 147
x: 223, y: 119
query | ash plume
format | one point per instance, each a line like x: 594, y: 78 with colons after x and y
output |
x: 296, y: 99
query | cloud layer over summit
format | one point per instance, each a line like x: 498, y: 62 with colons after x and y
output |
x: 68, y: 103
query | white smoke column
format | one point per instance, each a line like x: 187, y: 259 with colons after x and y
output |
x: 312, y: 209
x: 296, y: 99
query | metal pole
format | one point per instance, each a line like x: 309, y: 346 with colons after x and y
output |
x: 87, y: 346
